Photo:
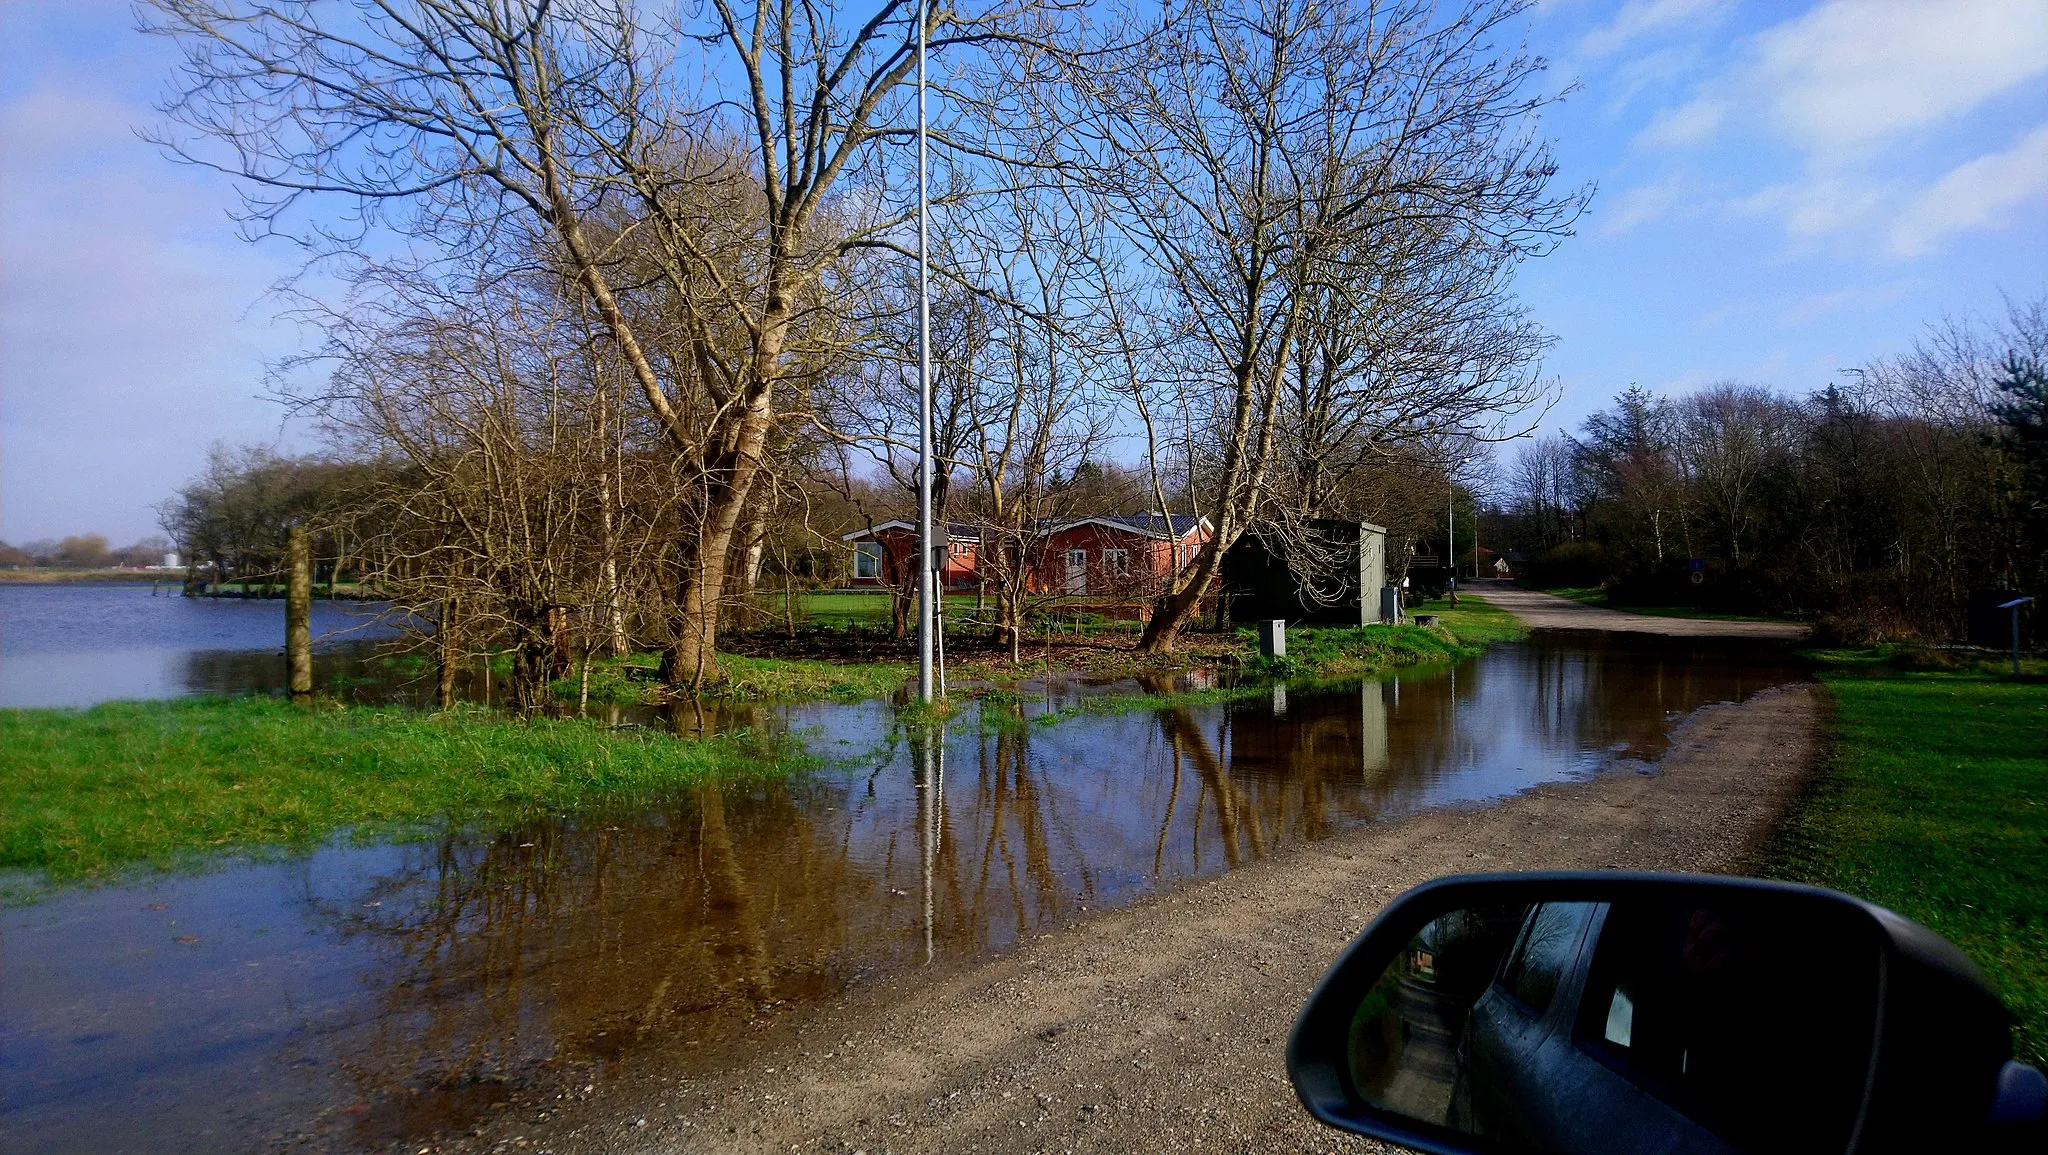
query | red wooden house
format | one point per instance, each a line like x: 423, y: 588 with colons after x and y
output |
x: 1116, y: 558
x: 1112, y: 559
x: 883, y: 556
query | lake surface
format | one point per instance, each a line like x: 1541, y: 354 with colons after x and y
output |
x: 355, y: 997
x: 74, y: 644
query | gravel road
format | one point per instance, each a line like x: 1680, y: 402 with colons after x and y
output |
x: 1548, y: 611
x: 1159, y: 1027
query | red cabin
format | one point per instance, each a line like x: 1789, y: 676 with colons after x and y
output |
x: 883, y: 555
x: 1107, y: 559
x: 1129, y: 558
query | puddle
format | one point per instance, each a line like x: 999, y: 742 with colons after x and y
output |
x: 354, y: 997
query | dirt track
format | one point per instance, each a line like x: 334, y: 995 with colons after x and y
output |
x: 1159, y: 1027
x: 1548, y: 611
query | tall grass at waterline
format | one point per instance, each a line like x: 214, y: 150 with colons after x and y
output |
x: 86, y: 792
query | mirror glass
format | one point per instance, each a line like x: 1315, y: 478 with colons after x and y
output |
x: 1581, y: 1027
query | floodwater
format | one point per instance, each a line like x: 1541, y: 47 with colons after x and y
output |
x: 357, y: 997
x: 74, y: 644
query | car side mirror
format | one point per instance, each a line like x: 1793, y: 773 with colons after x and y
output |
x: 1593, y: 1012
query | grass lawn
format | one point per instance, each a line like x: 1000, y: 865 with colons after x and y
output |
x: 1335, y: 653
x: 852, y: 607
x: 85, y: 792
x: 1935, y: 804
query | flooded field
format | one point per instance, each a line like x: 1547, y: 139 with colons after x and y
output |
x: 74, y: 644
x: 357, y: 997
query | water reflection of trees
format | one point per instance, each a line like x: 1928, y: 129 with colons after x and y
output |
x: 580, y: 941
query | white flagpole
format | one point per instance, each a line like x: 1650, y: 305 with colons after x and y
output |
x: 927, y: 578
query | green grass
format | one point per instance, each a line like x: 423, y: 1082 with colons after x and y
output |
x: 1935, y: 803
x: 85, y: 793
x: 1325, y: 655
x: 804, y: 679
x: 850, y: 607
x: 1335, y: 653
x: 632, y: 679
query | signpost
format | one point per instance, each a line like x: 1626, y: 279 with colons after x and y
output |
x: 2013, y: 607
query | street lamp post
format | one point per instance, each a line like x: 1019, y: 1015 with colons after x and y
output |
x: 927, y: 579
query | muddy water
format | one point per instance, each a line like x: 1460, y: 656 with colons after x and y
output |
x: 360, y: 997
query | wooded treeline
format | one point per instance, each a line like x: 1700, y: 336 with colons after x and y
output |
x: 630, y: 306
x: 1877, y: 504
x: 82, y: 551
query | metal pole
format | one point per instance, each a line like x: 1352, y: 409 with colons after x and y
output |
x: 2013, y: 607
x: 926, y: 579
x: 1451, y: 532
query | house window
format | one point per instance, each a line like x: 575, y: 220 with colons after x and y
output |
x: 867, y: 559
x: 1117, y: 561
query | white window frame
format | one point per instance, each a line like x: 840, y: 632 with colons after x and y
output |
x: 1117, y: 561
x: 871, y: 553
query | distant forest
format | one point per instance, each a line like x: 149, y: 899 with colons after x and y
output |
x: 82, y: 551
x: 1875, y: 505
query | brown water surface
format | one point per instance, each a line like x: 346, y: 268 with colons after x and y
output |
x: 360, y: 996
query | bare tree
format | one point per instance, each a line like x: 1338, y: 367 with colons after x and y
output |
x: 1539, y: 488
x: 1258, y: 157
x: 1731, y: 440
x: 700, y: 228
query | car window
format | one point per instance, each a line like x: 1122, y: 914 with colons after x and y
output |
x: 1755, y: 1023
x: 1545, y: 953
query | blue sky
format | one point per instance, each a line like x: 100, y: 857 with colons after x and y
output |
x: 1785, y: 190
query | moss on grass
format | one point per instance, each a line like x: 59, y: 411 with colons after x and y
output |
x: 1934, y: 802
x: 85, y: 792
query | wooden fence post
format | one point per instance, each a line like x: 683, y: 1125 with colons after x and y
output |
x: 298, y: 616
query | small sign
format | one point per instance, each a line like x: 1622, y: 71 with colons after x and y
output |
x: 1697, y: 564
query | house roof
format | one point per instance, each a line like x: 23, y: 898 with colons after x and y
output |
x: 1148, y: 524
x: 957, y: 531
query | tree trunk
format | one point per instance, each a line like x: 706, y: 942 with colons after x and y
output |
x: 1174, y: 610
x: 692, y: 660
x: 298, y: 615
x: 450, y: 654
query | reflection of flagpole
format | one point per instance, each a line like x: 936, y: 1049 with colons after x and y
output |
x: 927, y: 580
x: 931, y: 794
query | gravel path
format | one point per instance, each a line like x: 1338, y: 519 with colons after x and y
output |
x: 1548, y: 611
x: 1159, y: 1027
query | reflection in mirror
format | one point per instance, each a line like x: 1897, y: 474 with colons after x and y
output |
x: 1609, y: 1027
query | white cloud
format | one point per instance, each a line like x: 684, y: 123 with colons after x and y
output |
x: 1640, y: 205
x: 1689, y: 123
x: 1852, y: 71
x: 1858, y: 90
x: 1981, y: 193
x: 1639, y: 18
x: 1815, y: 205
